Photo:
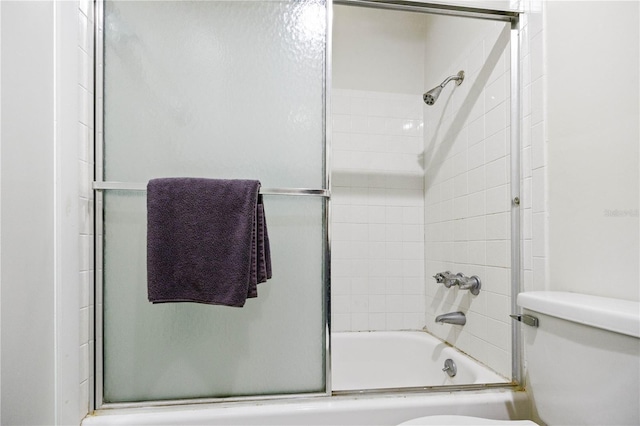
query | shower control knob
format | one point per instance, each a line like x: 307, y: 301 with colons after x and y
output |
x: 450, y: 367
x: 445, y: 278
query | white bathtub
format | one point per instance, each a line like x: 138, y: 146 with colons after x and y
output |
x: 351, y: 352
x: 392, y: 359
x: 499, y: 404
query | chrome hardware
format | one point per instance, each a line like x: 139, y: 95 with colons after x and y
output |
x: 516, y: 201
x: 472, y: 284
x: 431, y: 96
x: 450, y: 367
x: 142, y: 186
x: 456, y: 318
x: 529, y: 320
x: 446, y: 278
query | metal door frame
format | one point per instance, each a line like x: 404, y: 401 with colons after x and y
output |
x: 99, y: 185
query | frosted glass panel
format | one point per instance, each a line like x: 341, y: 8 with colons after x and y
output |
x: 274, y: 344
x: 215, y: 89
x: 223, y: 90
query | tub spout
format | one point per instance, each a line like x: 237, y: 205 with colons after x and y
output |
x: 457, y: 318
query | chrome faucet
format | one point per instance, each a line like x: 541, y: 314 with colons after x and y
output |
x: 465, y: 283
x: 457, y: 318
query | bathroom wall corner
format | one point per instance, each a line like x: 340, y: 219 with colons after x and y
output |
x: 27, y: 243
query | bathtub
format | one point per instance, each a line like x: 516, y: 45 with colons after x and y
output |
x: 392, y: 359
x: 356, y: 357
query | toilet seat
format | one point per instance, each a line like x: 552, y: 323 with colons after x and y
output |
x: 463, y: 420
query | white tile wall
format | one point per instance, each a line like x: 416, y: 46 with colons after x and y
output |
x: 85, y: 169
x: 534, y: 192
x: 378, y: 211
x: 467, y: 200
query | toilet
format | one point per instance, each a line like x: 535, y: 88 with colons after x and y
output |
x: 583, y: 362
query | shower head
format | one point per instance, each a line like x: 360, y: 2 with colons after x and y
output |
x: 431, y: 96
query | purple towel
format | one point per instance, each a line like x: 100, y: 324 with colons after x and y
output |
x: 207, y: 241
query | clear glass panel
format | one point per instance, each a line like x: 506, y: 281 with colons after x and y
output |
x: 467, y: 187
x: 223, y: 90
x: 417, y: 189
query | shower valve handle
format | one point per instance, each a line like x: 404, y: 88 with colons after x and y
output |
x: 472, y: 284
x: 446, y: 278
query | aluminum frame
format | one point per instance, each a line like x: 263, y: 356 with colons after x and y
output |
x: 98, y: 81
x: 327, y: 129
x: 140, y: 186
x: 434, y: 9
x: 100, y: 185
x: 426, y: 389
x: 516, y: 146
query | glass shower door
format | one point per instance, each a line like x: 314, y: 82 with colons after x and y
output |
x: 216, y: 89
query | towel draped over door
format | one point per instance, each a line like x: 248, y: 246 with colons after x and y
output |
x: 207, y: 241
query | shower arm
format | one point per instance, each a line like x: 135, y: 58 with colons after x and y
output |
x: 458, y: 78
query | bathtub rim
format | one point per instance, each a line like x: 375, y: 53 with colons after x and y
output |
x: 306, y: 397
x: 510, y: 404
x: 275, y: 400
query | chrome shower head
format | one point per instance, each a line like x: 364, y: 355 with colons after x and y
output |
x: 431, y: 96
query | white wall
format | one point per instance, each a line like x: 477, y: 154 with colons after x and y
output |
x: 27, y: 246
x: 41, y: 362
x: 534, y: 209
x: 581, y: 136
x: 592, y: 53
x: 378, y: 50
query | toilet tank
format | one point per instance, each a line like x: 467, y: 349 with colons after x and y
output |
x: 582, y: 362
